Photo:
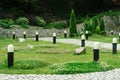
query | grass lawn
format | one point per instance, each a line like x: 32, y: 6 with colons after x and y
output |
x: 48, y: 58
x: 102, y: 38
x: 99, y: 38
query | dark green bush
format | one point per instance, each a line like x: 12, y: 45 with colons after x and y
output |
x: 23, y: 21
x: 40, y: 21
x: 97, y: 30
x: 6, y: 23
x: 72, y: 27
x: 94, y: 25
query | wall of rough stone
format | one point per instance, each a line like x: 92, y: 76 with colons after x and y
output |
x: 30, y: 32
x: 112, y: 23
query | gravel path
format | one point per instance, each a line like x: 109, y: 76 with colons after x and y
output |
x: 108, y: 75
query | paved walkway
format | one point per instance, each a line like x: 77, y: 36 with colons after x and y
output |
x: 108, y: 75
x: 78, y: 42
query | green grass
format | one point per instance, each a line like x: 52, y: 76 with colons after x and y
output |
x: 96, y: 37
x: 48, y: 58
x: 102, y: 38
x: 78, y: 67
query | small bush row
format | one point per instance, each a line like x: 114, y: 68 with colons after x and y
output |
x: 24, y: 22
x: 8, y: 23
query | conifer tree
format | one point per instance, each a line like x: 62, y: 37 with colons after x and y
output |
x: 72, y: 27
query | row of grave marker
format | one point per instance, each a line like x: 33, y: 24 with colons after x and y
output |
x: 37, y: 35
x: 54, y: 34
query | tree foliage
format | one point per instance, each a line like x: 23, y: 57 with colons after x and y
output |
x: 94, y: 25
x: 73, y: 27
x: 60, y: 8
x: 87, y: 24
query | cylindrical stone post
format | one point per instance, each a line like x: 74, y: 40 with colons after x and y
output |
x: 96, y: 51
x: 83, y: 41
x: 13, y: 35
x: 86, y: 35
x: 37, y: 37
x: 54, y: 38
x: 24, y: 35
x: 10, y: 55
x: 114, y: 46
x: 65, y: 34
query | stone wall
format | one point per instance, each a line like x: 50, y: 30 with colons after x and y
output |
x: 30, y: 32
x: 112, y: 24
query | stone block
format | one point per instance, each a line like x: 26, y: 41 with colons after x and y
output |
x: 30, y: 46
x: 80, y: 50
x: 21, y: 39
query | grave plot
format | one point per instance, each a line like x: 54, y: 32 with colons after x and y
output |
x: 43, y: 57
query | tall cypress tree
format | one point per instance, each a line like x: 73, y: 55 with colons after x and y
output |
x: 72, y: 27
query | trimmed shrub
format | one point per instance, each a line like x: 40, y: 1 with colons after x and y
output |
x: 72, y: 27
x: 6, y: 23
x: 40, y: 21
x: 23, y: 21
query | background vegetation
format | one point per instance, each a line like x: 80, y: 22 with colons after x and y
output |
x: 52, y: 10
